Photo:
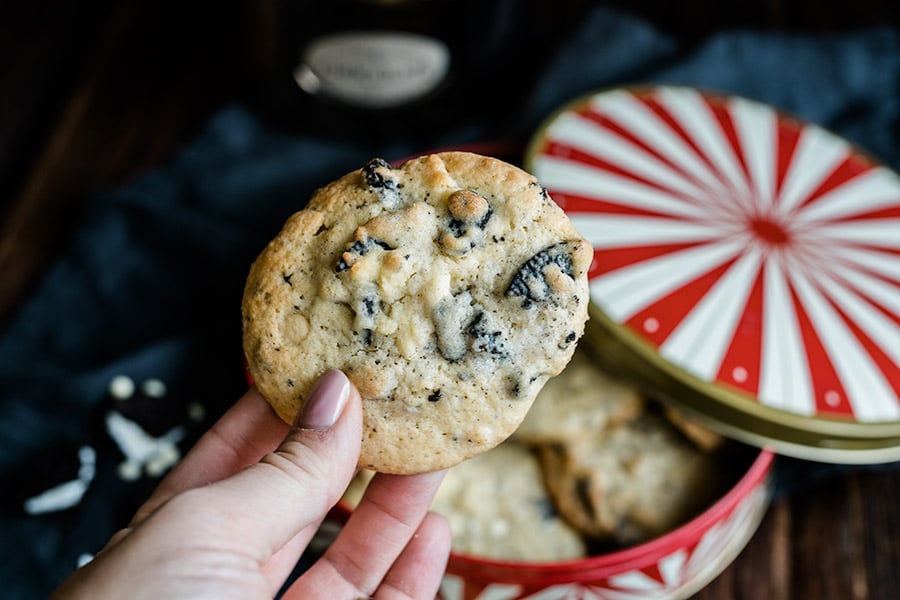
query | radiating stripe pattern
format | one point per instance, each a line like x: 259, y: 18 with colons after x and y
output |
x: 751, y: 250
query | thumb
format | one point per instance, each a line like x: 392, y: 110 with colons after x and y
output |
x: 293, y: 488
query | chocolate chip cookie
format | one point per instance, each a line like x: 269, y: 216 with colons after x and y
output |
x: 579, y: 402
x: 630, y: 483
x: 498, y: 507
x: 449, y: 289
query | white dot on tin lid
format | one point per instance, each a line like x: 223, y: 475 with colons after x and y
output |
x: 739, y: 374
x: 651, y: 325
x: 832, y: 398
x: 121, y: 387
x: 154, y: 388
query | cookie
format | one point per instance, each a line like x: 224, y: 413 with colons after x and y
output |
x: 498, y: 507
x: 703, y: 437
x: 581, y: 401
x: 449, y: 289
x: 633, y: 482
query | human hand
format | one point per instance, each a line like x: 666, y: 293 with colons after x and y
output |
x: 233, y: 517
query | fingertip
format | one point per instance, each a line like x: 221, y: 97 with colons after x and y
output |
x: 436, y: 527
x: 325, y: 402
x: 419, y: 569
x: 303, y: 474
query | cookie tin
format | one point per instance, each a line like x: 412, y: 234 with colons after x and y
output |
x: 672, y: 566
x: 747, y: 264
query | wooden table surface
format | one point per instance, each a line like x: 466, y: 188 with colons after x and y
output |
x: 94, y: 93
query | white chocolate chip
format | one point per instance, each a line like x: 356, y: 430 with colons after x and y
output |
x: 196, y: 412
x: 129, y: 470
x: 295, y: 327
x: 121, y: 387
x: 154, y: 388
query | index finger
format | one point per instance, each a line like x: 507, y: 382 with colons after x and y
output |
x: 241, y: 437
x: 376, y: 534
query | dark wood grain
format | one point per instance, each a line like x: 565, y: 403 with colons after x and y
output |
x: 836, y: 540
x: 93, y: 94
x: 92, y: 99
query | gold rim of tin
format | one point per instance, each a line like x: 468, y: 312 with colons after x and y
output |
x: 732, y: 412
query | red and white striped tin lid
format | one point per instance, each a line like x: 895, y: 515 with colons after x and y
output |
x: 748, y: 261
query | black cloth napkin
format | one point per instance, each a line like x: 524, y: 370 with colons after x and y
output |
x: 150, y: 285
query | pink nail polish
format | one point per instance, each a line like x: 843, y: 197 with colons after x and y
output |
x: 325, y: 402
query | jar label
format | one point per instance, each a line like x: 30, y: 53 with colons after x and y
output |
x: 380, y: 69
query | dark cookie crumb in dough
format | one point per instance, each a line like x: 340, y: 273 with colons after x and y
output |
x: 486, y: 338
x: 357, y: 249
x: 470, y: 213
x: 451, y: 318
x: 531, y: 282
x: 376, y: 176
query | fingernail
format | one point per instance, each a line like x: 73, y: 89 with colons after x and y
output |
x: 325, y: 402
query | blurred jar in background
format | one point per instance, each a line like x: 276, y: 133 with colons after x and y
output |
x: 388, y: 54
x: 389, y: 69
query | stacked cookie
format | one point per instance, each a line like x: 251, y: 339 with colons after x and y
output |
x: 593, y: 467
x: 498, y: 507
x: 617, y: 469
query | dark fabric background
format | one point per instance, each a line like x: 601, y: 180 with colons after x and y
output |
x: 150, y: 285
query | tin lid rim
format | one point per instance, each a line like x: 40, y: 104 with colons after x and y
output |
x: 734, y: 413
